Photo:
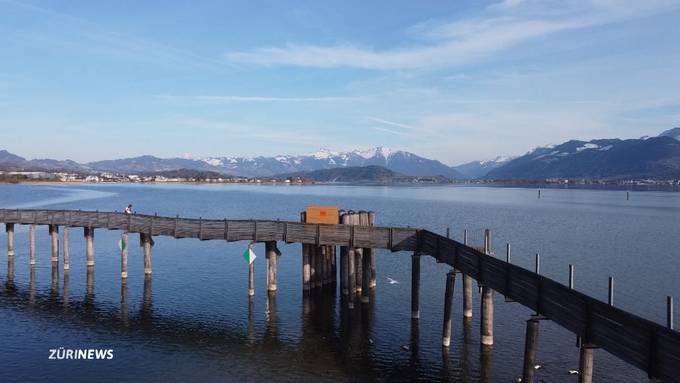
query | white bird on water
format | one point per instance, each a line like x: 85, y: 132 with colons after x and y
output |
x: 573, y: 372
x: 392, y: 281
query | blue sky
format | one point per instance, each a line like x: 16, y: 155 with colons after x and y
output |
x: 456, y: 81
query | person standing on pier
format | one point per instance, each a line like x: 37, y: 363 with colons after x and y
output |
x: 128, y: 209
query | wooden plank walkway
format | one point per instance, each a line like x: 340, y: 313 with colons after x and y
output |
x: 640, y: 342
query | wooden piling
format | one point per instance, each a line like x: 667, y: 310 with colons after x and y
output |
x: 147, y: 243
x: 610, y: 295
x: 31, y: 245
x: 372, y: 255
x: 306, y: 268
x: 270, y: 249
x: 326, y: 261
x: 669, y: 312
x: 89, y: 245
x: 9, y: 228
x: 124, y: 256
x: 359, y: 272
x: 54, y: 239
x: 415, y: 285
x: 448, y: 305
x: 486, y: 326
x: 467, y: 286
x: 344, y: 263
x: 585, y: 364
x: 530, y: 349
x: 344, y: 271
x: 318, y: 258
x: 351, y: 278
x: 65, y: 252
x: 366, y: 278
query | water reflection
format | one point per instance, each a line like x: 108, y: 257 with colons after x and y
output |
x: 89, y: 288
x: 65, y: 293
x: 485, y: 364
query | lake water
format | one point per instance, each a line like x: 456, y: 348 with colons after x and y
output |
x: 193, y: 321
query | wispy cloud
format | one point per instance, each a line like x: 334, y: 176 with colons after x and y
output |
x: 69, y: 32
x: 392, y: 123
x: 234, y: 98
x: 453, y: 43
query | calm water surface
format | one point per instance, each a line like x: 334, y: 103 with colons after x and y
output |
x: 193, y: 321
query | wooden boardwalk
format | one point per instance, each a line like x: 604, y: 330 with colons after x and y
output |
x: 642, y: 343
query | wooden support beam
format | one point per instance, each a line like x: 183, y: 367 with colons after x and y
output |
x: 467, y: 286
x: 54, y: 239
x: 306, y: 268
x: 366, y: 278
x: 448, y: 308
x: 147, y: 243
x: 65, y: 252
x: 351, y: 278
x: 486, y: 326
x: 124, y: 256
x: 371, y: 254
x: 9, y: 228
x: 530, y: 349
x: 585, y: 364
x: 359, y: 265
x: 31, y: 245
x: 669, y: 312
x: 270, y: 251
x: 415, y: 285
x: 344, y: 271
x: 89, y: 245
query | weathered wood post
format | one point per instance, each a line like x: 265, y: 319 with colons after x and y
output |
x: 669, y: 312
x: 585, y: 364
x: 270, y: 251
x: 530, y: 348
x: 9, y: 228
x: 448, y: 305
x: 372, y: 254
x: 486, y: 326
x: 351, y: 278
x: 306, y: 269
x: 334, y: 263
x: 318, y: 258
x: 54, y: 239
x: 366, y: 278
x: 65, y: 252
x: 325, y: 265
x: 467, y: 286
x: 31, y: 245
x: 344, y: 264
x: 359, y: 254
x: 89, y: 245
x: 610, y: 295
x: 358, y: 265
x: 415, y: 285
x: 147, y: 244
x: 124, y: 256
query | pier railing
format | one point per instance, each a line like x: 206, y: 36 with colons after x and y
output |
x: 640, y: 342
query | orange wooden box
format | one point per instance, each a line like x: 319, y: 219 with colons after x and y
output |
x: 322, y: 214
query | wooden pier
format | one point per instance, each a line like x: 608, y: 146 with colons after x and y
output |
x: 649, y: 346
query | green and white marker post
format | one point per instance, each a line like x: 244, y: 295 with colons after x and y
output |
x: 123, y: 246
x: 249, y: 256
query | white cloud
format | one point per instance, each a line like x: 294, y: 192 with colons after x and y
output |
x: 454, y: 43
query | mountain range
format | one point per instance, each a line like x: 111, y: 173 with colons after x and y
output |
x: 655, y: 157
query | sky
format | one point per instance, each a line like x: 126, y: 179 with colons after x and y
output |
x: 451, y: 80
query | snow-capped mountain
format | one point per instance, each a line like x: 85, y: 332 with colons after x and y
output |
x: 479, y: 169
x: 607, y: 158
x: 672, y: 133
x: 395, y: 160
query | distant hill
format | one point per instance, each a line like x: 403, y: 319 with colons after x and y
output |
x: 186, y: 173
x: 360, y: 174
